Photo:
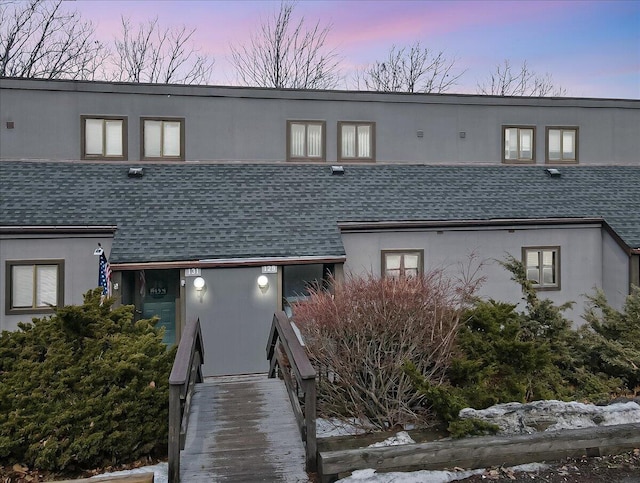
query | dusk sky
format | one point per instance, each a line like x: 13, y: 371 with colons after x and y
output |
x: 591, y: 48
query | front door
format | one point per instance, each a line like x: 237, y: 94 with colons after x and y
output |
x: 159, y: 290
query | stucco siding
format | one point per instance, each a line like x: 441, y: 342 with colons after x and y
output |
x: 80, y: 266
x: 235, y: 316
x: 615, y: 271
x: 455, y: 249
x: 250, y: 124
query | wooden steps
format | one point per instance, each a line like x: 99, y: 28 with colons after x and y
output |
x: 242, y: 429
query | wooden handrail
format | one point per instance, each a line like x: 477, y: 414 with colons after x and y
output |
x: 186, y: 371
x: 283, y: 335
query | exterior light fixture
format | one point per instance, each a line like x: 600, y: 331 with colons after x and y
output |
x: 198, y: 283
x: 263, y: 282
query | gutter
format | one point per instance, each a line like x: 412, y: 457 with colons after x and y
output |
x: 229, y: 262
x: 57, y: 229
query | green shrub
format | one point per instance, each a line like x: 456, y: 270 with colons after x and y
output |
x: 83, y: 388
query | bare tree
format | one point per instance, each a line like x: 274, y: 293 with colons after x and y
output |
x: 38, y: 39
x: 409, y: 69
x: 159, y: 55
x: 509, y: 81
x: 285, y: 54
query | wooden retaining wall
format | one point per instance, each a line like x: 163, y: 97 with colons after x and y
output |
x: 482, y: 452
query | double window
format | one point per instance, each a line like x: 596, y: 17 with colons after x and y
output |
x: 162, y: 139
x: 562, y: 144
x: 306, y: 140
x: 356, y: 141
x: 34, y: 286
x: 518, y: 144
x: 402, y: 263
x: 104, y: 137
x: 543, y: 266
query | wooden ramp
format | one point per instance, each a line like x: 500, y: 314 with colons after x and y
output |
x: 242, y: 428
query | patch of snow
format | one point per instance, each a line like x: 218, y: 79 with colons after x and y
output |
x: 370, y: 476
x: 517, y: 418
x: 400, y: 438
x: 326, y: 428
x: 160, y: 472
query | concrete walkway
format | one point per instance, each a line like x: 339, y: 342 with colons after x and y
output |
x: 242, y: 429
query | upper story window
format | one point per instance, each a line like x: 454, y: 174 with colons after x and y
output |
x: 402, y: 263
x: 104, y: 137
x: 356, y: 141
x: 306, y: 140
x: 543, y: 267
x: 562, y: 144
x: 162, y: 139
x: 518, y: 144
x: 34, y: 286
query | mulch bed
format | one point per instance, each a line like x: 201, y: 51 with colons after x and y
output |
x: 622, y: 468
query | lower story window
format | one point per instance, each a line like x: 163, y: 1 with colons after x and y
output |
x: 543, y: 266
x: 34, y: 286
x: 401, y: 263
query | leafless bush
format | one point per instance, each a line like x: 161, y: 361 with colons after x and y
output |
x: 360, y: 337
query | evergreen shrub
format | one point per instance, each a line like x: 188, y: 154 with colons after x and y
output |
x: 84, y: 388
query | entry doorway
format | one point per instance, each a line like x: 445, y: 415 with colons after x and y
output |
x: 155, y: 293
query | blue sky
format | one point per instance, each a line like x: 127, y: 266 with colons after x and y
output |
x: 591, y: 48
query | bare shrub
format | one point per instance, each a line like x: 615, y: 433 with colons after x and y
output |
x: 360, y: 337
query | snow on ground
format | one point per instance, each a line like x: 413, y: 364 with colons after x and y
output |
x: 160, y: 472
x: 582, y: 415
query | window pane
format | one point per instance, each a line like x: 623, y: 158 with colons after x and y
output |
x: 511, y: 143
x: 152, y: 138
x: 348, y: 141
x: 393, y: 261
x: 364, y: 141
x: 568, y: 145
x: 113, y: 129
x: 93, y: 136
x: 297, y: 140
x: 548, y: 267
x: 526, y: 143
x: 411, y: 262
x: 22, y: 286
x: 314, y: 138
x: 47, y: 285
x: 554, y: 144
x: 533, y: 267
x: 533, y: 274
x: 171, y: 142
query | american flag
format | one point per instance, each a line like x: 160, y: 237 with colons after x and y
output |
x: 104, y: 275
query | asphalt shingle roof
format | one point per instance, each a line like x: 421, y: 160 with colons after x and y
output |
x: 194, y: 211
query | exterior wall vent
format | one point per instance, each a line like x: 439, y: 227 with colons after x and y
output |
x: 553, y: 172
x: 136, y: 172
x: 337, y: 170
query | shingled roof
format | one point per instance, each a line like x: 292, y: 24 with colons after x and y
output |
x: 192, y: 211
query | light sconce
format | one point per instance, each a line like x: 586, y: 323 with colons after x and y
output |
x: 200, y: 286
x: 263, y: 282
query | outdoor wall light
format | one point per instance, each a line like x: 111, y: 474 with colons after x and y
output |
x: 263, y: 282
x: 200, y: 287
x: 198, y: 283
